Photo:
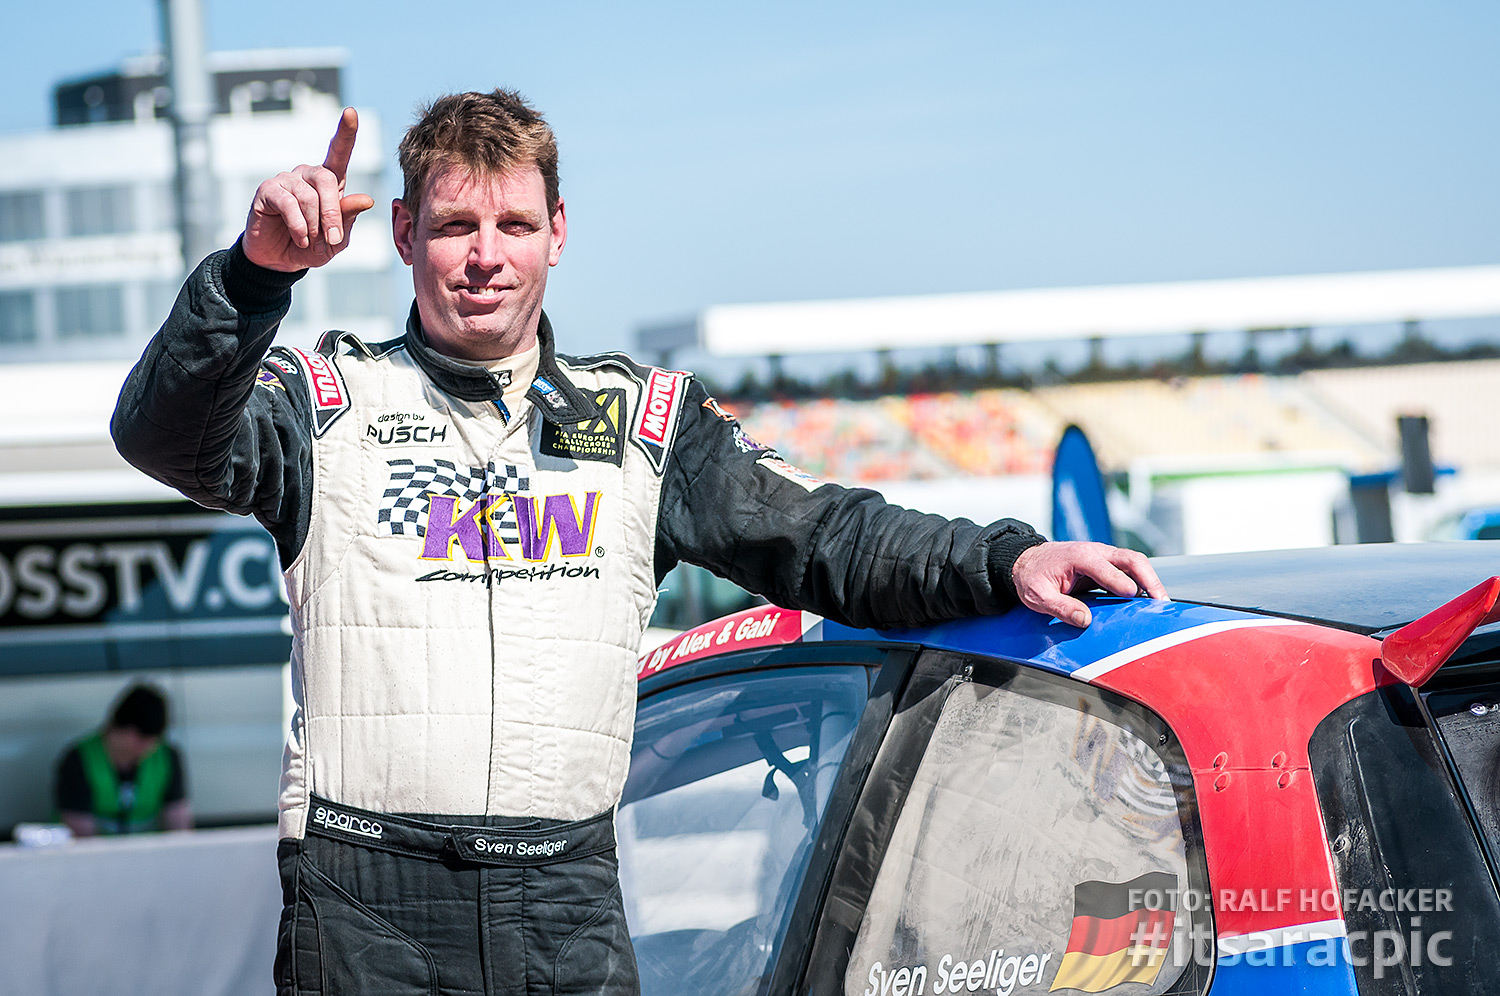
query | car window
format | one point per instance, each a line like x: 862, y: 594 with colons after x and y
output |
x: 1040, y: 847
x: 1416, y: 893
x: 729, y: 780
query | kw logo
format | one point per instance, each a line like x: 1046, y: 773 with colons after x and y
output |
x: 539, y: 521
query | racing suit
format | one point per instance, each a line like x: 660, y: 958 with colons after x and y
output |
x: 468, y: 587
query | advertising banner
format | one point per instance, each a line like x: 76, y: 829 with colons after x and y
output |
x: 164, y: 584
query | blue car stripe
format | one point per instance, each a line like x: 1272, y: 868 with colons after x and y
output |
x: 1119, y: 624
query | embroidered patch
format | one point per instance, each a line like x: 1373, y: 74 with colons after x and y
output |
x: 404, y: 505
x: 329, y: 397
x: 549, y: 393
x: 601, y: 439
x: 407, y: 428
x: 268, y: 379
x: 657, y: 417
x: 718, y: 409
x: 781, y: 468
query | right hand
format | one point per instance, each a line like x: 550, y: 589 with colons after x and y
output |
x: 302, y: 217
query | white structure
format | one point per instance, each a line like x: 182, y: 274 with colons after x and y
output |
x: 89, y: 252
x: 1078, y: 313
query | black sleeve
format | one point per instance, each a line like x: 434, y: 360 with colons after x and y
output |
x: 177, y: 782
x: 200, y: 413
x: 731, y: 505
x: 71, y: 793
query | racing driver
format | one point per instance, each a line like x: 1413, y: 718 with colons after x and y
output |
x: 473, y: 528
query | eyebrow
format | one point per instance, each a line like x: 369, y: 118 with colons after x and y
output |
x: 441, y: 214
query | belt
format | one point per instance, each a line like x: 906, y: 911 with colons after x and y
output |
x: 502, y: 846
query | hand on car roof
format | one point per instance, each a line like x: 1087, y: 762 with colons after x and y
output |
x: 1046, y: 575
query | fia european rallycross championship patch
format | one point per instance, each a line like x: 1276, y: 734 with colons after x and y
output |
x: 600, y: 439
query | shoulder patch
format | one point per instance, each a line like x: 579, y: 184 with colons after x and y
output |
x: 330, y: 398
x: 773, y: 463
x: 601, y: 439
x: 656, y: 415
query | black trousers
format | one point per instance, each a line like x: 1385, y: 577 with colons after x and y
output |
x: 391, y: 920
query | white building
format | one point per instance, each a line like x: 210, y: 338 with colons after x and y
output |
x: 90, y: 258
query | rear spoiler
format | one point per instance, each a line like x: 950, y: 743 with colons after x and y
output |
x: 1414, y: 652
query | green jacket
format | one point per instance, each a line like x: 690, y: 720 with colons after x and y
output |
x: 135, y: 811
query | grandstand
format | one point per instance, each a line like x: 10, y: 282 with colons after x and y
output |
x: 1340, y: 418
x: 1318, y: 410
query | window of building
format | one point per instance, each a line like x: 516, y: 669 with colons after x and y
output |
x: 1040, y: 847
x: 92, y: 311
x: 21, y: 216
x: 17, y: 317
x: 358, y: 294
x: 729, y: 781
x: 100, y: 210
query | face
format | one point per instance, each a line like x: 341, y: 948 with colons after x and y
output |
x: 479, y: 250
x: 126, y: 746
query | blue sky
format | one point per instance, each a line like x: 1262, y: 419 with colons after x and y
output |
x: 716, y: 154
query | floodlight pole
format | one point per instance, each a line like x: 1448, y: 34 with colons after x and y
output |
x: 191, y: 109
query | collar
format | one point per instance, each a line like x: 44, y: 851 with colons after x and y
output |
x: 551, y: 391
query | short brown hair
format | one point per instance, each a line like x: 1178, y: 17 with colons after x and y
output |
x: 482, y: 133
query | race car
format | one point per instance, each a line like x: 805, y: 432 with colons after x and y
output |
x: 1285, y: 780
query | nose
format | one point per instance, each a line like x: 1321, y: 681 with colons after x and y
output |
x: 487, y: 249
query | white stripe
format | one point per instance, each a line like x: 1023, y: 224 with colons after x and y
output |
x: 146, y: 631
x: 129, y: 525
x: 1100, y: 667
x: 1262, y: 940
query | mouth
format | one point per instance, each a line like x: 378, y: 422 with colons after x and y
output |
x: 482, y: 294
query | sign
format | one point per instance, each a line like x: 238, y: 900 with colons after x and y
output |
x: 168, y: 584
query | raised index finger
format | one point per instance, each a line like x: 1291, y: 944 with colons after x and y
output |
x: 342, y: 146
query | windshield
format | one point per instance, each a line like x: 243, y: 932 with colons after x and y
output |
x: 729, y: 779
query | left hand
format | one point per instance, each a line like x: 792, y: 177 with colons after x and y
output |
x: 1045, y: 575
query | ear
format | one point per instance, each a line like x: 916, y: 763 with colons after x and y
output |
x: 559, y: 232
x: 402, y: 229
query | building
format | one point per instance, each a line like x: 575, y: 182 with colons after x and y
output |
x: 90, y: 262
x: 90, y: 256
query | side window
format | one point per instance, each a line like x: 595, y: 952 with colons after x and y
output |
x: 729, y: 781
x: 1042, y: 846
x: 1418, y: 896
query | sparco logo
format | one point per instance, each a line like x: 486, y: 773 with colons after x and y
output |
x: 347, y: 823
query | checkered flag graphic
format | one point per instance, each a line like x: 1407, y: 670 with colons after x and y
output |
x: 404, y: 503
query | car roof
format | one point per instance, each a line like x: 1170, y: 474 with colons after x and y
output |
x: 1365, y: 588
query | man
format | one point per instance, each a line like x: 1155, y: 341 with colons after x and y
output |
x: 473, y: 529
x: 124, y: 778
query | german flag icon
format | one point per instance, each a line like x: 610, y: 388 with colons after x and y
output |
x: 1115, y: 940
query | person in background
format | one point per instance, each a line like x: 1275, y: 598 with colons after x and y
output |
x: 125, y: 778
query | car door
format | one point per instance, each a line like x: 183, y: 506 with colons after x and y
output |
x: 1019, y: 832
x: 743, y: 772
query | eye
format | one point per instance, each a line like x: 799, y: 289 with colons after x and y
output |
x: 517, y: 227
x: 456, y: 227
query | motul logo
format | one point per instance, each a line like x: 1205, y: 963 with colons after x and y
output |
x: 326, y: 388
x: 661, y: 395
